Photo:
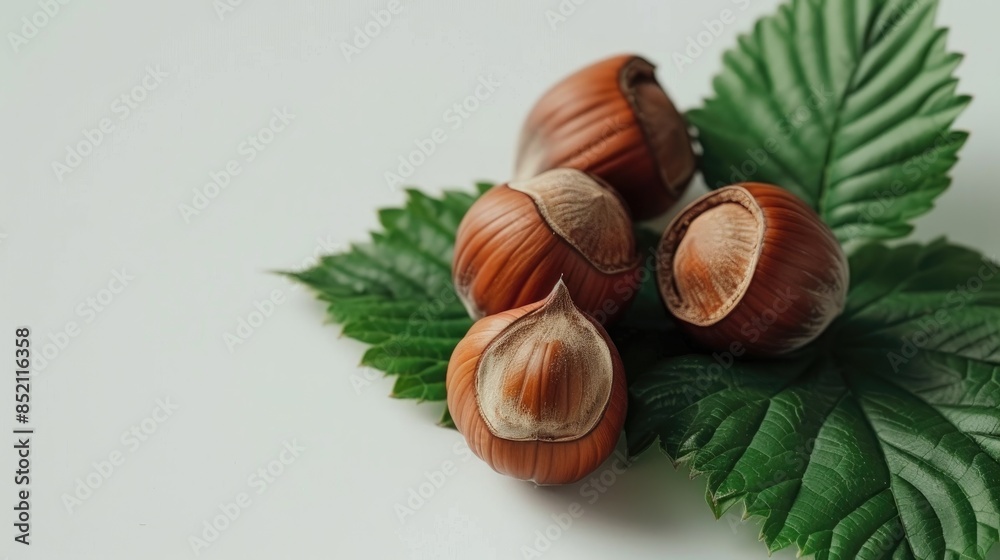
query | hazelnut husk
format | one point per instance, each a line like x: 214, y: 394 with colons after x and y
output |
x: 519, y: 238
x: 539, y: 391
x: 612, y: 119
x: 751, y: 268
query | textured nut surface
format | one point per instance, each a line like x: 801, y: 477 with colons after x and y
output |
x: 753, y: 265
x: 590, y: 218
x: 539, y: 392
x: 714, y: 262
x: 517, y: 240
x: 547, y: 376
x: 614, y: 120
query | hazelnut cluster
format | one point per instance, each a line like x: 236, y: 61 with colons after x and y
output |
x: 546, y: 261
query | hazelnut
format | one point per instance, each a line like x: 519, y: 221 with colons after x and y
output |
x: 539, y: 392
x: 519, y: 238
x: 751, y: 267
x: 614, y: 120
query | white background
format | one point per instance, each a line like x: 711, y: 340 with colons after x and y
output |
x: 314, y: 189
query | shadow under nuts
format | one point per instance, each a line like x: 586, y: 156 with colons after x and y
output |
x: 751, y: 268
x: 614, y: 120
x: 539, y: 392
x: 518, y: 239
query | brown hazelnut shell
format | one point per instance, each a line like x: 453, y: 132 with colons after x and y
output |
x: 751, y: 267
x: 612, y: 119
x: 545, y: 383
x: 519, y: 238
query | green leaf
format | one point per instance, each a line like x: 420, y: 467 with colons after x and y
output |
x: 446, y: 420
x: 428, y: 384
x: 847, y: 103
x: 377, y: 330
x: 881, y: 440
x: 395, y: 292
